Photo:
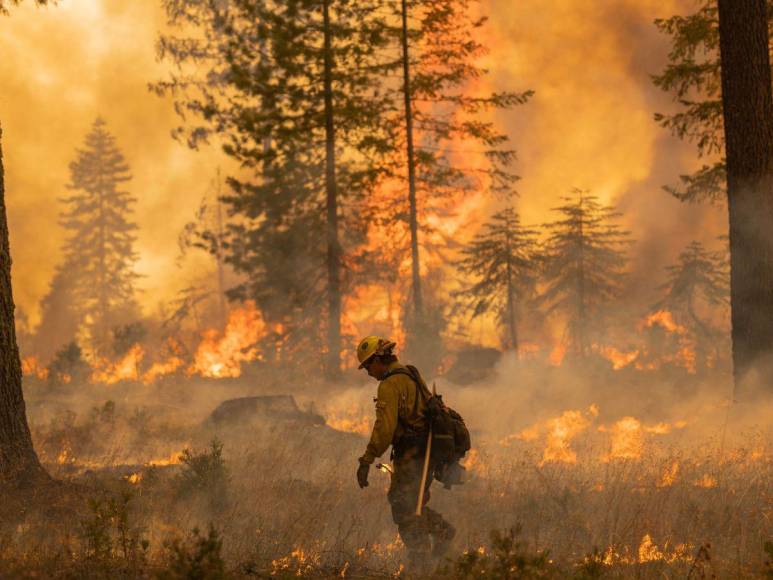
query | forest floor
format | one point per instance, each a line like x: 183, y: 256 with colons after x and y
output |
x: 560, y: 485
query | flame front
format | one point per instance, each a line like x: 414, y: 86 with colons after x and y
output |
x: 219, y: 356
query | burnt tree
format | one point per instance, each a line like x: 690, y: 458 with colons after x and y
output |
x: 18, y: 461
x: 748, y: 121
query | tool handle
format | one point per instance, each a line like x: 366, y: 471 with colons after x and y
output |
x: 424, y: 473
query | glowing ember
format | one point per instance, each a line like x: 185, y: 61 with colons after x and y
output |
x: 669, y: 475
x: 31, y: 367
x: 172, y: 459
x: 648, y: 551
x: 707, y: 481
x: 618, y: 358
x: 222, y: 356
x: 665, y: 320
x: 557, y: 355
x: 350, y: 423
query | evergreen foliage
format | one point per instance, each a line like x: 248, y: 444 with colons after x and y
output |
x: 265, y: 96
x: 451, y: 145
x: 99, y: 250
x: 5, y: 4
x: 584, y: 271
x: 503, y: 258
x: 60, y: 318
x: 692, y: 75
x: 698, y: 283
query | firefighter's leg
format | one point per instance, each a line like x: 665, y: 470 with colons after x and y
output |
x: 403, y: 495
x: 440, y: 530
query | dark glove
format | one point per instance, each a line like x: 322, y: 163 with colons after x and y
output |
x: 362, y: 475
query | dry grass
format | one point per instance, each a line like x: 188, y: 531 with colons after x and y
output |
x: 283, y: 501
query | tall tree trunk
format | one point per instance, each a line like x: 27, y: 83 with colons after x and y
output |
x: 418, y: 305
x: 581, y: 313
x: 18, y: 462
x: 511, y: 306
x: 748, y: 118
x: 333, y: 247
x: 219, y: 255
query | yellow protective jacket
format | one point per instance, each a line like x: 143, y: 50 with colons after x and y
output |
x: 394, y: 413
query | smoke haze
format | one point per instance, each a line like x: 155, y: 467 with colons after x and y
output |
x: 589, y: 125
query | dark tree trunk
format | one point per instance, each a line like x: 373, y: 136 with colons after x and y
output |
x: 333, y: 247
x: 512, y: 324
x: 748, y: 118
x: 18, y: 462
x: 413, y: 211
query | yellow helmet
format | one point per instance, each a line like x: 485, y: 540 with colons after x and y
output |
x: 371, y: 346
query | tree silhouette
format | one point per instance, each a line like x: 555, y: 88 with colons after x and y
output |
x: 100, y: 243
x: 585, y: 262
x: 504, y: 261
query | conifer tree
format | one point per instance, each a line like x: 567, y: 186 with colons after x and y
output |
x: 292, y: 91
x: 60, y: 317
x: 100, y: 243
x: 695, y: 285
x: 440, y: 123
x: 692, y: 75
x: 503, y: 259
x: 584, y: 271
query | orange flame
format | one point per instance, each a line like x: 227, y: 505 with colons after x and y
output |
x: 222, y: 356
x: 561, y: 431
x: 618, y: 358
x: 31, y: 367
x: 126, y: 369
x: 669, y: 475
x: 665, y: 320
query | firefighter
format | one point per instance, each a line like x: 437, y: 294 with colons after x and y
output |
x: 400, y: 422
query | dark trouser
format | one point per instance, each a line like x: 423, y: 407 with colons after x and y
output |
x: 415, y: 531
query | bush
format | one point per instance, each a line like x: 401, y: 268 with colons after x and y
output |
x: 198, y: 559
x: 204, y: 474
x: 507, y: 559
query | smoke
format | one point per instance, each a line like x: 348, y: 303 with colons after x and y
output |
x: 590, y: 125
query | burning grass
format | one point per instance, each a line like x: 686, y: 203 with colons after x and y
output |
x: 574, y: 490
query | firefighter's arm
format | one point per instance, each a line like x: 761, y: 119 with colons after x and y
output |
x: 386, y: 422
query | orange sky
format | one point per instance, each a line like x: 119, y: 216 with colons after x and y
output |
x: 589, y: 125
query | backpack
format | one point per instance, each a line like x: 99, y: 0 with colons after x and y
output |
x: 450, y: 436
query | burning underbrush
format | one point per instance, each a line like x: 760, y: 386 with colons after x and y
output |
x: 581, y: 474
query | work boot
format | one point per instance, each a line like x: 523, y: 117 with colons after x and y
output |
x: 441, y: 540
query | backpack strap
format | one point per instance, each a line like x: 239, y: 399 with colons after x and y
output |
x: 412, y: 373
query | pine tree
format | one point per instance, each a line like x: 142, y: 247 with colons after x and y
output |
x: 692, y: 75
x: 440, y: 124
x: 503, y: 258
x: 60, y: 317
x: 584, y: 269
x: 747, y: 115
x: 100, y: 242
x: 696, y: 285
x: 292, y: 89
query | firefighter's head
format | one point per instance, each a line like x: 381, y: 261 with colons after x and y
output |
x: 375, y: 355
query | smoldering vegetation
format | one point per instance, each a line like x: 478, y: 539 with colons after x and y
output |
x: 577, y: 470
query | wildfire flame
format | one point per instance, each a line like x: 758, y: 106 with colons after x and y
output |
x: 669, y: 475
x: 126, y: 369
x: 31, y: 367
x: 219, y: 356
x: 561, y: 431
